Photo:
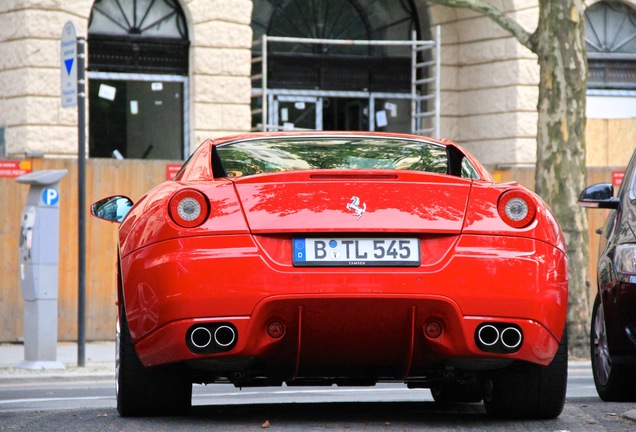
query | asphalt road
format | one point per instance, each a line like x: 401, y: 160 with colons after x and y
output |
x: 88, y: 404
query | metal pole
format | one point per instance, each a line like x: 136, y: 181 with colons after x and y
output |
x: 264, y: 101
x: 438, y: 80
x: 81, y: 204
x: 413, y: 82
x: 356, y: 42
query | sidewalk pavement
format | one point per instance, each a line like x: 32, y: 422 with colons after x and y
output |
x: 99, y: 362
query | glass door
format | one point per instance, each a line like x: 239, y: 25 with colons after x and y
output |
x: 346, y: 111
x: 296, y: 112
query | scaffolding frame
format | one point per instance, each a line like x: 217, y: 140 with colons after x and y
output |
x: 269, y: 121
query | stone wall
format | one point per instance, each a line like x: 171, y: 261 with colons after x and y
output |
x: 489, y: 83
x: 30, y: 109
x: 221, y: 39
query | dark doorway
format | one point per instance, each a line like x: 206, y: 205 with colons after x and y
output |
x: 137, y: 119
x: 345, y: 114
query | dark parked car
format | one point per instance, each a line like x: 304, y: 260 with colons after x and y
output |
x: 613, y: 330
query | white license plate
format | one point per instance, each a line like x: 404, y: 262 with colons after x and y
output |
x: 370, y: 252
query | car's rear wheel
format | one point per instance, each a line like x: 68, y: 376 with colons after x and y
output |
x: 146, y: 391
x: 528, y: 391
x: 613, y: 382
x: 453, y: 392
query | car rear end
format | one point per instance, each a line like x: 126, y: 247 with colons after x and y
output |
x: 246, y: 273
x: 406, y: 270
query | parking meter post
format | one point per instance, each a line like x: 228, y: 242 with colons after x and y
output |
x: 38, y: 259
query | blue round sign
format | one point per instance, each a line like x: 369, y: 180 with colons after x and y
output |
x: 50, y: 196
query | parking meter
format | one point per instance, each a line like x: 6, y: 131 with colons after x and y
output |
x: 38, y: 259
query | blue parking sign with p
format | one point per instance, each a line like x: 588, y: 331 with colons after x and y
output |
x: 50, y: 196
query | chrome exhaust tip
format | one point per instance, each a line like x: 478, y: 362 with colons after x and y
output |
x: 211, y: 338
x: 200, y: 337
x: 511, y: 337
x: 224, y: 336
x: 501, y: 338
x: 488, y: 335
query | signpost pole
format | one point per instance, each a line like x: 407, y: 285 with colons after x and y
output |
x: 81, y: 204
x: 73, y: 93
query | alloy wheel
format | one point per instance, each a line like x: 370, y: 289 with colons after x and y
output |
x: 602, y: 361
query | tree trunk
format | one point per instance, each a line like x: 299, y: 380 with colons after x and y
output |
x: 561, y: 170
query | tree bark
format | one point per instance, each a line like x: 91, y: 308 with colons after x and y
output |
x: 560, y: 168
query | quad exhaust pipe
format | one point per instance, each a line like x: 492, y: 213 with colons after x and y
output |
x: 210, y: 338
x: 498, y: 337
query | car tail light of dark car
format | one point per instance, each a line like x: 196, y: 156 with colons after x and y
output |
x: 189, y: 208
x: 625, y: 259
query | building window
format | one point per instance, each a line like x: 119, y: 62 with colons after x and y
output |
x: 337, y: 87
x: 610, y: 36
x: 310, y: 66
x: 138, y: 86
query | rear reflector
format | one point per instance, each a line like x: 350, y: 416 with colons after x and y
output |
x: 433, y: 329
x: 275, y: 329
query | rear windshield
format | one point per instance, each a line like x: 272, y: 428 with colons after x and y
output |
x: 244, y: 158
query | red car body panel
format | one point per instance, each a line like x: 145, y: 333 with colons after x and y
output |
x: 237, y: 268
x: 512, y: 277
x: 285, y: 202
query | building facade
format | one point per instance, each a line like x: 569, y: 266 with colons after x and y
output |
x: 164, y: 76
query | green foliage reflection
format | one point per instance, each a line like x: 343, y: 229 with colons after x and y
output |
x: 277, y: 155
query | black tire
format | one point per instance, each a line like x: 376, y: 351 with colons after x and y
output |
x: 528, y: 391
x: 146, y: 391
x: 614, y: 383
x: 454, y: 392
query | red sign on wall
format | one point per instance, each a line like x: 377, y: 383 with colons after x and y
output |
x: 14, y: 168
x: 617, y: 177
x: 172, y: 170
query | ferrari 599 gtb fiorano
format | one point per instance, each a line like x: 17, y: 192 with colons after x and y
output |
x: 346, y: 258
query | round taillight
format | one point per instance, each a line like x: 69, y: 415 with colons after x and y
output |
x: 188, y: 208
x: 516, y: 208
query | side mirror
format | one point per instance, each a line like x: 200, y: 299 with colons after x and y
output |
x: 112, y: 209
x: 599, y: 196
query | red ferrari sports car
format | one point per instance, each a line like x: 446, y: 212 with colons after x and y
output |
x: 346, y: 258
